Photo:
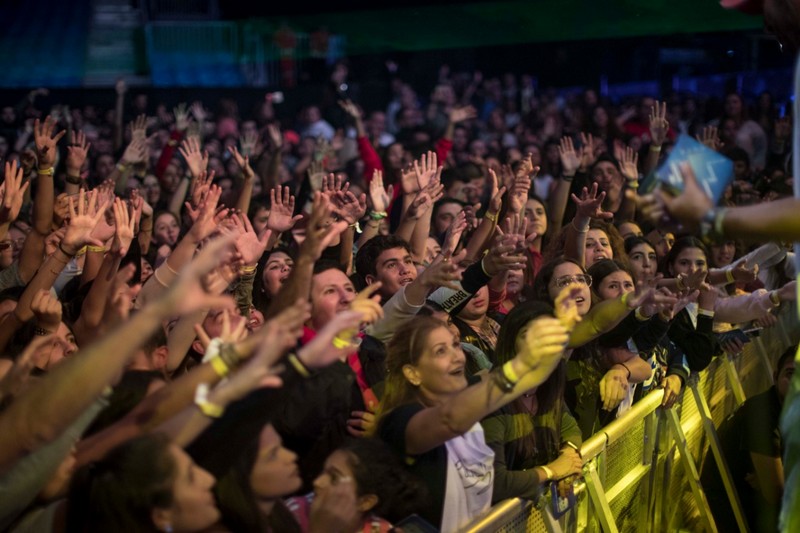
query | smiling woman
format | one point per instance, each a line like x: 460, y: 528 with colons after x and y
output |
x: 430, y: 415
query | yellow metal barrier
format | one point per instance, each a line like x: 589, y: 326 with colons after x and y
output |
x: 641, y: 471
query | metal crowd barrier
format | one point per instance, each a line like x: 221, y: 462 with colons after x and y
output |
x: 641, y: 472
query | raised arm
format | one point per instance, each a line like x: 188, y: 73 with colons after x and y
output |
x: 76, y: 156
x: 560, y: 195
x: 589, y: 206
x: 433, y: 426
x: 51, y: 404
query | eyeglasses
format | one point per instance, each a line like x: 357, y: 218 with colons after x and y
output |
x: 580, y: 279
x: 5, y: 245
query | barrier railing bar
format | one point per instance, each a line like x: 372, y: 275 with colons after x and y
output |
x: 648, y: 450
x: 616, y: 429
x: 763, y: 356
x: 504, y: 511
x: 599, y: 500
x: 550, y: 523
x: 633, y: 476
x: 716, y: 449
x: 691, y: 470
x: 733, y: 379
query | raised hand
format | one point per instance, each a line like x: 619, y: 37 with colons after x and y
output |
x: 426, y: 169
x: 692, y: 204
x: 227, y: 333
x: 349, y: 207
x: 321, y: 231
x: 587, y: 151
x: 205, y: 217
x: 350, y: 108
x: 460, y: 114
x: 47, y: 310
x: 139, y: 128
x: 196, y: 160
x: 124, y: 223
x: 250, y: 144
x: 710, y: 138
x: 191, y: 290
x: 629, y: 164
x: 659, y: 127
x: 496, y: 194
x: 135, y: 152
x: 316, y: 175
x: 76, y: 152
x: 742, y: 274
x: 182, y: 119
x: 453, y: 234
x: 368, y: 304
x: 121, y: 296
x: 46, y: 142
x: 544, y: 341
x: 248, y: 243
x: 590, y: 204
x: 333, y: 341
x: 281, y: 212
x: 243, y: 162
x: 521, y: 185
x: 378, y: 196
x: 275, y: 137
x: 569, y: 157
x: 198, y: 192
x: 444, y: 271
x: 12, y: 193
x: 503, y: 255
x: 566, y: 307
x: 82, y: 221
x: 16, y: 379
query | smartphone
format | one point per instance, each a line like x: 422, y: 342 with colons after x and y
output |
x: 734, y: 334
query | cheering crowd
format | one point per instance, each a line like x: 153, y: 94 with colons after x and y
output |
x: 348, y: 319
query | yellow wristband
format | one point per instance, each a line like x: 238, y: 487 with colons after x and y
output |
x: 654, y: 148
x: 247, y: 269
x: 547, y: 472
x: 491, y: 217
x: 46, y: 171
x: 729, y: 276
x: 298, y: 365
x: 341, y: 343
x: 96, y: 249
x: 219, y: 366
x: 209, y: 409
x: 509, y: 373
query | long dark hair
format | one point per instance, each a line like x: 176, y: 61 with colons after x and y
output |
x: 541, y: 285
x: 404, y: 348
x: 550, y: 394
x: 377, y: 470
x: 680, y: 245
x: 238, y: 504
x: 603, y: 268
x: 120, y: 492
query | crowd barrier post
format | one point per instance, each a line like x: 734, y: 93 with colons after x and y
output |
x: 763, y: 355
x: 691, y: 469
x: 733, y: 379
x: 598, y: 497
x: 719, y: 458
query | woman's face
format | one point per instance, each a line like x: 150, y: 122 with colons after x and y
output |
x: 571, y: 274
x: 276, y: 271
x: 166, y: 230
x: 514, y: 281
x: 432, y: 249
x: 537, y: 219
x: 152, y: 189
x: 193, y: 506
x: 260, y: 219
x: 597, y: 247
x: 147, y: 270
x: 440, y: 369
x: 394, y: 156
x: 615, y: 285
x: 336, y: 473
x: 723, y: 254
x: 689, y: 261
x: 629, y: 229
x: 643, y: 262
x: 275, y: 473
x: 52, y: 353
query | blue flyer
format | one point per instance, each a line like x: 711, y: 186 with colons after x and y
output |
x: 713, y: 170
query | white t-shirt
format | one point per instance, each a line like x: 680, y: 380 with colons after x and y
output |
x: 470, y: 477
